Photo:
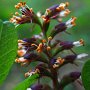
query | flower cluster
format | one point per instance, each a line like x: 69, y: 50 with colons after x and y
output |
x: 44, y: 48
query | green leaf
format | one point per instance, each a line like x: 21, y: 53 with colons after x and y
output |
x: 8, y: 48
x: 27, y: 82
x: 86, y: 75
x: 1, y: 26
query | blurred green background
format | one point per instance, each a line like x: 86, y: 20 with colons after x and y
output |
x: 79, y: 8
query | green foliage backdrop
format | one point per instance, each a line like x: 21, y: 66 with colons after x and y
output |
x: 79, y: 8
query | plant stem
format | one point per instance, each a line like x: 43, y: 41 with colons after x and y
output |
x: 55, y: 79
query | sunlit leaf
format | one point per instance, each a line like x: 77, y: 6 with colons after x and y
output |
x: 1, y: 26
x: 27, y: 82
x: 8, y: 48
x: 86, y: 75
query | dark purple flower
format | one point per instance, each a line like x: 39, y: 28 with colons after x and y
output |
x: 54, y: 10
x: 66, y: 45
x: 60, y: 27
x: 53, y: 61
x: 29, y: 40
x: 75, y: 75
x: 37, y: 87
x: 70, y: 58
x: 43, y: 70
x: 30, y: 56
x: 28, y: 16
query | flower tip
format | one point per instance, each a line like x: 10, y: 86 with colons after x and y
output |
x: 26, y: 74
x: 73, y: 21
x: 20, y: 41
x: 48, y: 48
x: 21, y: 52
x: 17, y: 7
x: 74, y: 18
x: 17, y: 60
x: 49, y: 38
x: 67, y: 4
x: 16, y: 13
x: 81, y: 42
x: 48, y: 11
x: 67, y: 11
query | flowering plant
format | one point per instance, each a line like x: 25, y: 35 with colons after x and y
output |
x: 45, y: 49
x: 42, y: 48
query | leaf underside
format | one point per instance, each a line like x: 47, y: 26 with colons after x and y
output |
x: 8, y: 48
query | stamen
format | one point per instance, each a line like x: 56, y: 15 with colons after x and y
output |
x: 64, y: 13
x: 21, y: 52
x: 30, y: 73
x: 70, y: 23
x: 34, y: 45
x: 45, y: 19
x: 48, y: 48
x: 44, y: 41
x: 17, y: 7
x: 81, y: 41
x: 55, y: 66
x: 39, y: 48
x: 62, y: 6
x: 60, y: 60
x: 47, y: 11
x: 16, y: 13
x: 49, y: 38
x: 20, y: 41
x: 20, y: 60
x: 78, y: 43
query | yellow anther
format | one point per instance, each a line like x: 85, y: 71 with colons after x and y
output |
x: 16, y: 13
x: 18, y: 18
x: 20, y: 41
x: 44, y: 41
x: 40, y: 45
x: 21, y: 52
x: 48, y: 11
x: 60, y: 60
x: 73, y: 21
x: 67, y: 11
x: 67, y: 4
x: 55, y: 66
x: 37, y: 71
x: 26, y: 74
x: 59, y: 8
x: 23, y: 16
x: 81, y: 41
x: 49, y: 38
x: 31, y: 10
x: 17, y: 60
x: 34, y: 45
x: 39, y: 51
x: 48, y: 48
x: 17, y: 7
x: 19, y: 4
x: 39, y: 48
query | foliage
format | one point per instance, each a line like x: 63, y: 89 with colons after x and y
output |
x: 8, y: 48
x: 86, y: 75
x: 82, y: 30
x: 27, y: 82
